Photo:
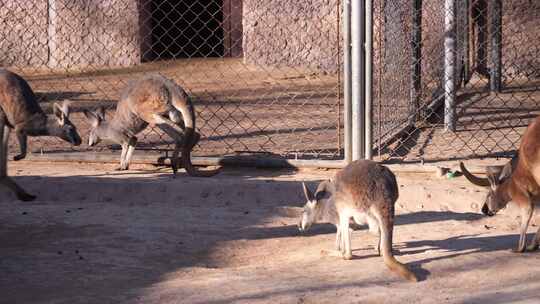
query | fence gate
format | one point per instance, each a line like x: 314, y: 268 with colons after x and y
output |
x: 454, y: 79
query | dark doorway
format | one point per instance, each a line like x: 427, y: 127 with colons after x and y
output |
x: 186, y: 29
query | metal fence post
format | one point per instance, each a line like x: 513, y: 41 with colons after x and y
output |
x: 357, y: 79
x: 496, y: 44
x: 52, y: 36
x: 347, y: 111
x: 368, y: 46
x: 450, y: 55
x: 416, y: 66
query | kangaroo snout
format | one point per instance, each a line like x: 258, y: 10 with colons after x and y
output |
x: 486, y: 211
x: 300, y: 227
x: 76, y: 141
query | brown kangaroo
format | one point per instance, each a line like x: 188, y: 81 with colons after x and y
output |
x: 152, y: 100
x: 19, y: 110
x: 517, y: 181
x: 363, y: 191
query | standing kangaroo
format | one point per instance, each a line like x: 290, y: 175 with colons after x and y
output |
x: 19, y: 110
x: 363, y: 190
x: 152, y: 100
x: 518, y: 181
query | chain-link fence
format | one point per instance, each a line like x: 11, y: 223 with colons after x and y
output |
x: 454, y: 79
x: 451, y: 79
x: 264, y: 75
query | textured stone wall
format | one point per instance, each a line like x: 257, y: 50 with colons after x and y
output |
x: 96, y: 33
x: 67, y: 34
x: 300, y: 33
x: 23, y: 37
x: 520, y: 38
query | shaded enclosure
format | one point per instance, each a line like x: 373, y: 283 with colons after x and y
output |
x: 491, y: 82
x: 185, y: 29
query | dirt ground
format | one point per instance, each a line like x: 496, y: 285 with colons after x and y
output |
x: 100, y: 236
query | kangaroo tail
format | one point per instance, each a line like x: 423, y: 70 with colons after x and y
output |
x: 388, y: 256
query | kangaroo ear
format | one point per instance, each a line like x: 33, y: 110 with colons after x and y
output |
x: 307, y: 192
x: 59, y: 113
x: 65, y: 107
x: 101, y: 113
x: 92, y: 117
x: 324, y: 190
x: 493, y: 179
x: 506, y: 171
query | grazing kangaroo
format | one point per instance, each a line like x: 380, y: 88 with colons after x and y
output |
x: 363, y: 191
x: 518, y: 181
x: 152, y: 100
x: 19, y: 110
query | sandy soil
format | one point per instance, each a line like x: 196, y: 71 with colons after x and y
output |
x: 99, y: 236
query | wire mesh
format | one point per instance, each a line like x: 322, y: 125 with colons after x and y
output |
x: 264, y: 75
x: 454, y: 79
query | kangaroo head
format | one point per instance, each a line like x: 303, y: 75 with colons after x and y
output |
x: 59, y: 124
x: 312, y: 208
x: 96, y: 119
x: 496, y: 198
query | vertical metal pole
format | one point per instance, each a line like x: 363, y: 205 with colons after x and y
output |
x: 368, y: 46
x: 347, y: 111
x: 479, y: 12
x: 52, y: 29
x: 466, y: 46
x: 416, y: 73
x: 496, y: 45
x: 450, y: 54
x: 357, y: 79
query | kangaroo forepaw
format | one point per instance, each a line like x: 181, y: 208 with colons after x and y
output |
x: 347, y: 256
x: 332, y: 253
x: 19, y: 157
x: 25, y: 197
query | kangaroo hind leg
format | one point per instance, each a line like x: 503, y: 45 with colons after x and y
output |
x: 526, y: 215
x: 178, y: 141
x: 4, y: 178
x: 176, y: 117
x: 535, y: 242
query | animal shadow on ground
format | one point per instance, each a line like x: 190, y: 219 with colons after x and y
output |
x: 401, y: 219
x: 133, y: 230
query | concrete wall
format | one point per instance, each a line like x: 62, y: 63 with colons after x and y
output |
x: 96, y: 33
x: 291, y: 33
x: 23, y: 38
x: 65, y: 34
x: 521, y: 33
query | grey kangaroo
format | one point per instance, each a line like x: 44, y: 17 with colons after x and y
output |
x: 362, y: 191
x: 152, y: 100
x: 19, y: 110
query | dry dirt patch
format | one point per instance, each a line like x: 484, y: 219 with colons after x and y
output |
x: 99, y: 236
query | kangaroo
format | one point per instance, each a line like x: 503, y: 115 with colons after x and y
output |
x: 362, y: 191
x: 19, y: 110
x: 153, y: 100
x: 519, y: 182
